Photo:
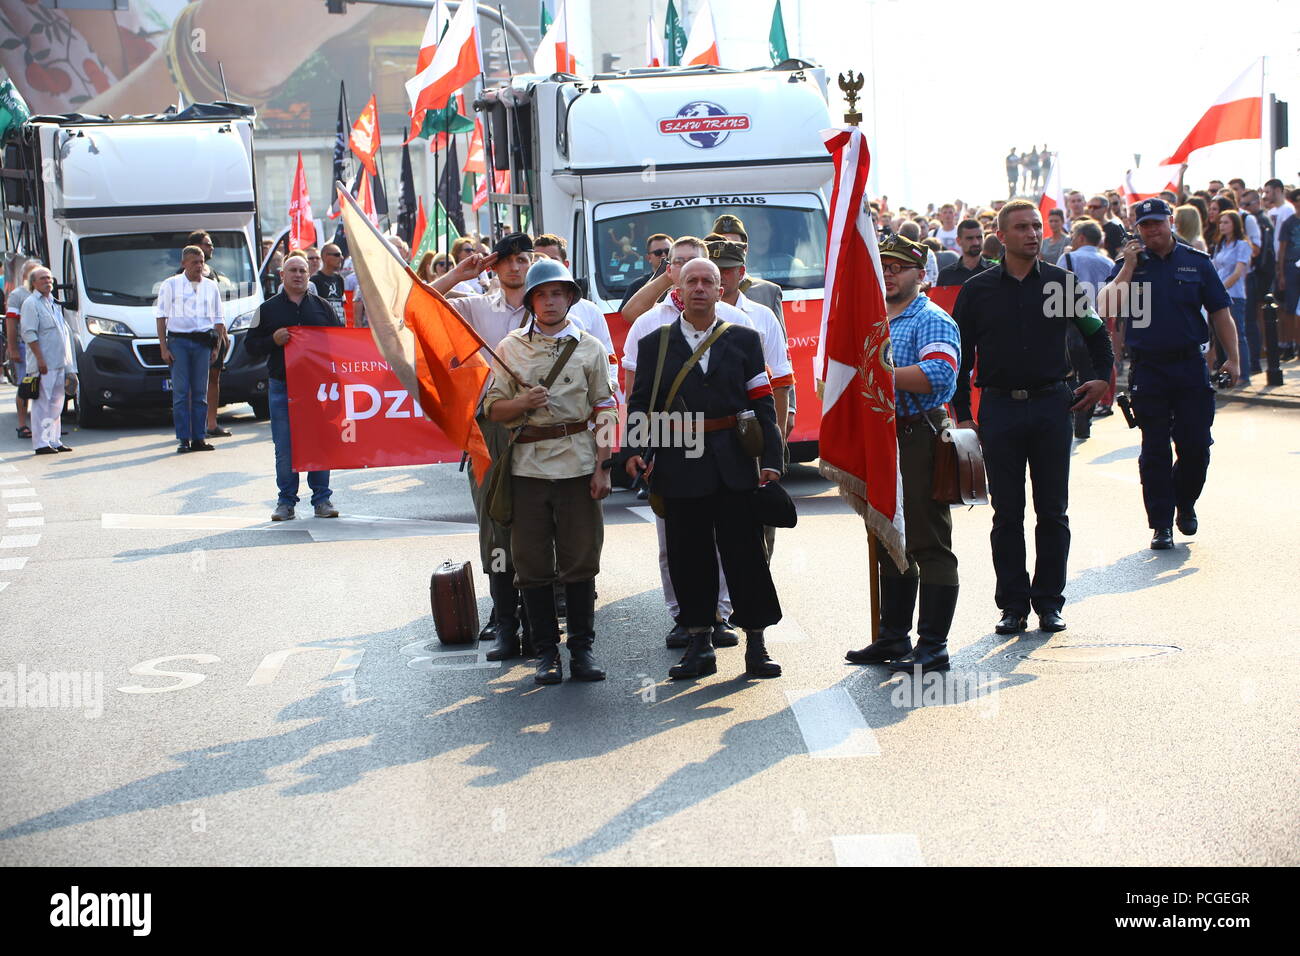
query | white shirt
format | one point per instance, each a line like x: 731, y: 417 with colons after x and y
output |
x: 949, y: 238
x: 931, y: 267
x: 665, y: 313
x: 776, y: 347
x: 694, y: 337
x: 189, y: 306
x: 468, y: 287
x: 491, y: 315
x: 587, y: 316
x: 1279, y: 215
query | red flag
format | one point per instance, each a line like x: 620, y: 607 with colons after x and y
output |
x: 1053, y: 197
x: 474, y: 162
x: 366, y: 198
x: 702, y: 44
x: 858, y: 440
x: 365, y: 136
x: 1236, y: 114
x: 1149, y: 182
x: 421, y: 223
x: 302, y: 232
x: 481, y: 194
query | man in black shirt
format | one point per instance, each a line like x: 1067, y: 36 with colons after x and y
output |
x: 293, y: 305
x: 970, y: 238
x: 1013, y: 322
x: 328, y: 283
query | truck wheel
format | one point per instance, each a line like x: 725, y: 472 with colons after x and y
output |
x: 261, y: 408
x: 89, y: 414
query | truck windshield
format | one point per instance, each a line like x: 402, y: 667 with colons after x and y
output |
x: 127, y: 270
x: 787, y: 243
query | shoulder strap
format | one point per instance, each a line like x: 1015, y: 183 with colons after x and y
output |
x: 566, y: 350
x: 659, y: 364
x: 690, y: 362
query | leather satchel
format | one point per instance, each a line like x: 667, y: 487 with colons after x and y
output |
x: 959, y: 477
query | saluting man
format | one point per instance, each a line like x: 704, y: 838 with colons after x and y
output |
x: 708, y: 499
x: 927, y: 354
x: 559, y: 478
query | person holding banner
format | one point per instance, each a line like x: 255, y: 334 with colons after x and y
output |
x: 557, y: 466
x: 927, y: 353
x: 293, y: 305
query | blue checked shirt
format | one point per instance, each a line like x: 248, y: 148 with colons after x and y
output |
x: 924, y: 329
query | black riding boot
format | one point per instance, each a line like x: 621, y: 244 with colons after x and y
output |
x: 938, y: 604
x: 897, y: 602
x: 757, y: 663
x: 699, y: 658
x: 540, y: 602
x: 580, y: 603
x: 505, y: 604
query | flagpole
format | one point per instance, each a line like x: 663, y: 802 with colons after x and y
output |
x: 489, y: 163
x: 528, y: 180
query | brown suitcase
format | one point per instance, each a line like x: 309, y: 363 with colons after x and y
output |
x: 455, y: 609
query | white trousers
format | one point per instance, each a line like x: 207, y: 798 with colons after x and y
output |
x: 670, y: 596
x: 45, y: 411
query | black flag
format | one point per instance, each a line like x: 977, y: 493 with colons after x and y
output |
x: 449, y: 187
x: 340, y: 153
x: 406, y: 200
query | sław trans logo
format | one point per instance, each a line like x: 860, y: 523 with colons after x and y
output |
x: 703, y: 125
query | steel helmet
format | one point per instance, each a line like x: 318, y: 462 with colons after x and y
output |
x: 547, y: 270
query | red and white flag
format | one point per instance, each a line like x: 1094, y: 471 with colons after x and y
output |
x: 1236, y: 114
x: 854, y: 367
x: 433, y: 28
x: 455, y: 63
x: 654, y: 44
x: 502, y: 178
x: 553, y: 54
x: 366, y: 198
x: 365, y: 136
x: 1149, y: 182
x: 1053, y: 197
x: 302, y: 232
x: 702, y: 44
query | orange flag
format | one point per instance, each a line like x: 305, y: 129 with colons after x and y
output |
x: 365, y: 136
x: 421, y: 223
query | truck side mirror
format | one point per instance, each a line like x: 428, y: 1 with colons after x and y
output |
x: 67, y: 294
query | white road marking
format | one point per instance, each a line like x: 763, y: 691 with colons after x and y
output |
x: 26, y: 522
x: 878, y: 849
x: 644, y: 513
x: 20, y: 540
x: 831, y: 724
x: 18, y: 493
x: 8, y: 467
x: 349, y: 528
x: 12, y: 564
x: 25, y: 506
x: 3, y: 585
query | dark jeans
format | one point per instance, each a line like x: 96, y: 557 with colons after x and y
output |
x: 285, y: 477
x: 1172, y: 401
x: 691, y: 528
x: 190, y: 362
x: 1035, y: 432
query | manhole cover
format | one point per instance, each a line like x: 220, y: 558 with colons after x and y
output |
x: 1094, y: 653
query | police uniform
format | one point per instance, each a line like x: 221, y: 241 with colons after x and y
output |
x: 1168, y: 379
x: 923, y: 335
x: 708, y: 499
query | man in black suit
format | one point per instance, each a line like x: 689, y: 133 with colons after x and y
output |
x: 707, y: 487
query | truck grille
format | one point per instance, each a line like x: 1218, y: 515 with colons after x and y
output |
x: 150, y: 354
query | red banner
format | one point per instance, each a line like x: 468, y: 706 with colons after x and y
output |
x: 348, y: 410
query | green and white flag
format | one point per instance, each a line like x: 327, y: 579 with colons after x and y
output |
x: 674, y: 37
x: 13, y: 109
x: 546, y: 20
x: 776, y: 37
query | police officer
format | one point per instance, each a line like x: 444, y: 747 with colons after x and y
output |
x: 1156, y: 292
x: 557, y: 466
x: 927, y: 353
x: 708, y: 498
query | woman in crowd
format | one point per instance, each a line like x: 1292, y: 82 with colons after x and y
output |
x: 1231, y: 255
x: 1187, y: 225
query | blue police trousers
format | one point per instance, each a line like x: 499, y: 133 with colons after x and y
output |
x: 1173, y: 401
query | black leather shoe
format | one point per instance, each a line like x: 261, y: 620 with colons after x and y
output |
x: 549, y: 670
x: 63, y: 448
x: 182, y: 447
x: 724, y: 635
x: 506, y: 646
x: 677, y: 638
x: 1163, y: 540
x: 539, y: 602
x: 1051, y: 621
x: 46, y: 450
x: 1011, y: 623
x: 757, y: 661
x: 1185, y: 518
x: 199, y: 444
x: 881, y: 652
x: 928, y: 656
x: 699, y: 659
x: 505, y: 609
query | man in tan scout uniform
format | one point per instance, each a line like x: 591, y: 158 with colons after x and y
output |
x: 558, y: 469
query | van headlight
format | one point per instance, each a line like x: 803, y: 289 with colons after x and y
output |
x: 98, y: 326
x: 242, y: 323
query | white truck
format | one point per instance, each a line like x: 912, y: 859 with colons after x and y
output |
x: 107, y: 204
x: 610, y: 160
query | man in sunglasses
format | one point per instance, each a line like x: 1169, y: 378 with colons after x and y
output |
x: 326, y: 280
x: 657, y: 248
x: 1098, y: 208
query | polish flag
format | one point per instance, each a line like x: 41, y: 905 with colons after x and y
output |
x: 858, y: 438
x: 702, y: 44
x: 1236, y: 114
x: 1149, y: 182
x: 455, y: 63
x: 302, y: 233
x: 432, y: 34
x: 654, y: 44
x: 481, y: 194
x: 1053, y: 197
x: 552, y: 54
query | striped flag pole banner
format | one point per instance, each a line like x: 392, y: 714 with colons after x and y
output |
x: 1236, y: 114
x: 702, y: 44
x: 854, y: 366
x: 1053, y: 197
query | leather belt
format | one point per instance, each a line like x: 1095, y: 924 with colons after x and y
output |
x: 1021, y: 394
x: 532, y: 433
x: 712, y: 424
x: 904, y: 423
x: 1170, y: 355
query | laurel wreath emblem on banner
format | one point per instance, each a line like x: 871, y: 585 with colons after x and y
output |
x: 879, y: 395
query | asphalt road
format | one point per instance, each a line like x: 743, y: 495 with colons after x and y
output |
x: 311, y: 717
